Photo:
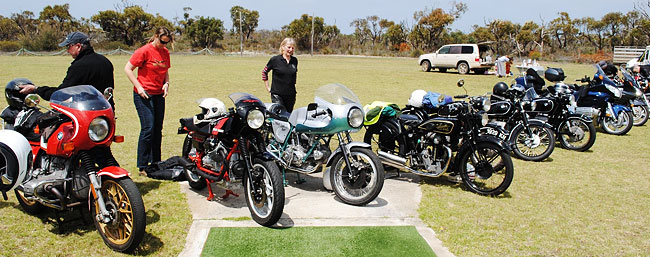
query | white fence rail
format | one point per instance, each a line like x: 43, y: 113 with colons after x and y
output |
x: 622, y: 54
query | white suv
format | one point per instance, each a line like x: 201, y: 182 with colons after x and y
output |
x: 463, y: 57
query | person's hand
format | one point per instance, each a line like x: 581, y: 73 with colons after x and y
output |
x: 26, y: 88
x: 142, y: 93
x: 165, y: 89
x: 266, y: 84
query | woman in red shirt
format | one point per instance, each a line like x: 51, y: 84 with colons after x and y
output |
x: 149, y: 91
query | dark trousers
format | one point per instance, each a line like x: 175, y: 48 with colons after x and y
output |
x: 288, y: 101
x: 152, y: 113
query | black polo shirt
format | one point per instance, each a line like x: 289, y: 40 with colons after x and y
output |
x: 284, y: 75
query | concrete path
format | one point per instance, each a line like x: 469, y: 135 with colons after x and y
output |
x: 309, y: 204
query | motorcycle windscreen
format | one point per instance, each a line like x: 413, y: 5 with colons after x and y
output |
x: 243, y: 100
x: 83, y: 98
x: 336, y: 94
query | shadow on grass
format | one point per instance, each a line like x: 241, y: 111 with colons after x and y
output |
x: 6, y: 204
x: 150, y: 245
x: 147, y: 186
x: 442, y: 181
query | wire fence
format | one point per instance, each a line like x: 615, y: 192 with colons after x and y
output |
x: 120, y: 51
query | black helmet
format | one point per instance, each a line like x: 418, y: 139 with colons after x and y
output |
x: 12, y: 92
x: 500, y: 89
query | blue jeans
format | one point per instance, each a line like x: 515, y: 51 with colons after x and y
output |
x: 152, y: 113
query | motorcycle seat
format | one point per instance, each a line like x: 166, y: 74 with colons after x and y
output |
x: 408, y: 119
x: 202, y: 128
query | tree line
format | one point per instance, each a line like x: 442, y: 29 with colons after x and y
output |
x: 129, y: 26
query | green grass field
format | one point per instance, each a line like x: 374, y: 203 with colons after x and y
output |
x: 591, y: 203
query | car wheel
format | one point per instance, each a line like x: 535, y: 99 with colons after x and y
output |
x: 463, y: 68
x: 426, y: 66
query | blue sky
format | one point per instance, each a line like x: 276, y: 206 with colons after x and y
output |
x: 275, y: 14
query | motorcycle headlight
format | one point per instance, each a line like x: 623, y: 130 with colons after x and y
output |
x: 617, y: 92
x: 255, y: 119
x: 486, y: 104
x: 98, y: 129
x: 355, y: 117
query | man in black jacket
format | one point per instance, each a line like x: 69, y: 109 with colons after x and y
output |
x: 88, y: 68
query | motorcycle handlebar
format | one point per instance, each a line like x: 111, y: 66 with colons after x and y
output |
x: 318, y: 114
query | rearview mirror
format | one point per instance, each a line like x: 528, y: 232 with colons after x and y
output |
x: 312, y: 106
x: 460, y: 83
x: 32, y: 100
x: 108, y: 93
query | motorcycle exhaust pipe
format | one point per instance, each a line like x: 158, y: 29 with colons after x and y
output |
x: 55, y: 192
x: 391, y: 159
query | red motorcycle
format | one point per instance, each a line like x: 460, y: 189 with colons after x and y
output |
x: 62, y: 159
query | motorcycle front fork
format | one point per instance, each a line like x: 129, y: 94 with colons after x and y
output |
x: 95, y: 186
x: 346, y: 154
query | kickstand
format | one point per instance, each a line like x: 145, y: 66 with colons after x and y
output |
x: 228, y: 193
x: 210, y: 194
x: 299, y: 180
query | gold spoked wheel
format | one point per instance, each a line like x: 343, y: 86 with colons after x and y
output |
x: 126, y: 227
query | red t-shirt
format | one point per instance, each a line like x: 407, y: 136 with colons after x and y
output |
x: 152, y: 64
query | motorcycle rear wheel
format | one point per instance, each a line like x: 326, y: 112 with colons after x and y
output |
x: 363, y: 188
x: 265, y: 200
x: 619, y: 126
x: 196, y: 181
x: 123, y: 200
x: 640, y: 115
x: 527, y: 148
x: 31, y: 207
x: 581, y: 139
x: 480, y: 172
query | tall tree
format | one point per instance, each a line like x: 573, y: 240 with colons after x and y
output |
x: 9, y: 30
x: 563, y: 30
x: 300, y: 30
x: 249, y: 20
x: 58, y: 17
x: 131, y: 26
x: 26, y: 22
x: 205, y: 31
x: 432, y: 24
x: 362, y: 31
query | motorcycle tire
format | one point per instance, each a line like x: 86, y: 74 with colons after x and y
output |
x: 640, y: 115
x: 266, y: 199
x: 366, y: 186
x: 122, y: 198
x: 29, y: 206
x: 625, y: 123
x: 478, y: 169
x: 580, y: 140
x: 535, y: 148
x: 194, y: 180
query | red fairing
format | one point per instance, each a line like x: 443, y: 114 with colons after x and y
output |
x: 76, y: 131
x: 113, y: 172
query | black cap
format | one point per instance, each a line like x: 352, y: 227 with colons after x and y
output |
x: 73, y: 38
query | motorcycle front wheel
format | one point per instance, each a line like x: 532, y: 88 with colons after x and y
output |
x: 486, y: 169
x: 31, y: 207
x: 618, y: 126
x: 577, y: 135
x: 534, y: 147
x: 265, y: 197
x: 124, y: 203
x: 640, y: 114
x: 196, y: 181
x: 361, y: 184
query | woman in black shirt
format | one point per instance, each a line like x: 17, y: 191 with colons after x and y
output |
x: 285, y: 68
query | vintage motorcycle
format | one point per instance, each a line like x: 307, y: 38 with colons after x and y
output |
x: 300, y: 142
x: 426, y: 147
x: 227, y: 147
x: 65, y: 161
x: 601, y: 99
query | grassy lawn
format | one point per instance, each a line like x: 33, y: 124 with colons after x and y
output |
x: 317, y: 241
x: 591, y: 203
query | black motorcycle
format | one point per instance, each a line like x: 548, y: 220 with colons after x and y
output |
x: 448, y: 142
x: 227, y: 147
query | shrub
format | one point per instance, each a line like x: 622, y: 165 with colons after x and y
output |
x: 534, y: 54
x: 416, y: 53
x: 9, y: 46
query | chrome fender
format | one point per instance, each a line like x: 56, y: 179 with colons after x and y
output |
x: 326, y: 175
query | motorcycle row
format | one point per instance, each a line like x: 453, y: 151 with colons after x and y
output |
x: 61, y: 158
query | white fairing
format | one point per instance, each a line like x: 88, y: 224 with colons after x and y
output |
x: 19, y: 145
x: 304, y: 117
x: 280, y: 130
x: 416, y: 98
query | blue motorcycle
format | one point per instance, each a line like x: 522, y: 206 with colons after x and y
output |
x: 300, y: 142
x: 605, y: 103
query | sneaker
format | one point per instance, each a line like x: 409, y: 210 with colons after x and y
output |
x: 142, y: 173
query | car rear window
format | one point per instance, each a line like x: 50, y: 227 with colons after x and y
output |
x: 467, y: 50
x: 454, y: 50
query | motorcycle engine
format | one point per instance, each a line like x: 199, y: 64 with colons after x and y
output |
x: 52, y: 172
x: 434, y: 155
x: 294, y: 154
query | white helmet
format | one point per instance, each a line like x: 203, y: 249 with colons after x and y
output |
x: 212, y: 107
x: 416, y: 98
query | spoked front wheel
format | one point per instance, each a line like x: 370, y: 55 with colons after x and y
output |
x: 360, y: 183
x: 265, y: 196
x: 536, y: 146
x: 195, y: 180
x: 124, y: 231
x: 577, y: 135
x: 486, y: 169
